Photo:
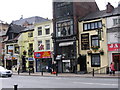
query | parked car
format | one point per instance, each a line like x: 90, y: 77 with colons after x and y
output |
x: 4, y: 72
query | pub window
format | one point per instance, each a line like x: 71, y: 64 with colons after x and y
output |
x: 96, y: 25
x: 94, y: 40
x: 95, y: 60
x: 92, y: 25
x: 85, y: 41
x: 99, y: 24
x: 89, y: 26
x: 85, y: 26
x: 39, y: 30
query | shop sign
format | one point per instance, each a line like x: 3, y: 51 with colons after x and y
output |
x: 10, y: 49
x: 30, y: 59
x: 85, y: 41
x: 45, y: 54
x: 66, y: 44
x: 114, y: 47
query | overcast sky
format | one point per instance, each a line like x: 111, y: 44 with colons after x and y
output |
x: 13, y: 9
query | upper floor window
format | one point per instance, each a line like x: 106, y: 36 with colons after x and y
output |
x: 64, y: 28
x: 30, y: 34
x: 94, y: 41
x: 40, y: 45
x: 30, y: 50
x: 116, y: 21
x: 92, y: 25
x: 39, y: 30
x: 47, y: 44
x: 47, y: 29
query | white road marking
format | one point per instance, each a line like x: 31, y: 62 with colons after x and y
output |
x: 97, y: 83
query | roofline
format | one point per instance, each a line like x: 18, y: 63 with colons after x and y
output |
x: 98, y: 18
x: 27, y: 30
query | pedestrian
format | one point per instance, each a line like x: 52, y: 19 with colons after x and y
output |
x: 112, y: 68
x: 18, y: 70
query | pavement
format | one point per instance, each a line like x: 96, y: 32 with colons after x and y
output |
x: 45, y: 74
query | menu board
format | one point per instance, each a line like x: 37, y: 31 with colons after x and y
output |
x: 85, y: 41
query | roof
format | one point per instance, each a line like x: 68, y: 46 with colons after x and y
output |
x: 30, y: 20
x: 28, y: 28
x: 15, y: 28
x: 101, y: 14
x: 13, y: 40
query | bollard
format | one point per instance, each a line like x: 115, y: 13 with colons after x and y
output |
x: 42, y: 72
x: 15, y: 87
x: 93, y: 73
x: 18, y: 71
x: 29, y: 71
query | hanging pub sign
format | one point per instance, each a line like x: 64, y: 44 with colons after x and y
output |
x: 85, y: 41
x: 45, y: 54
x: 114, y: 47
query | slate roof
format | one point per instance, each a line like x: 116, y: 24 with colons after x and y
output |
x: 101, y: 14
x: 30, y: 20
x: 15, y: 28
x: 28, y: 28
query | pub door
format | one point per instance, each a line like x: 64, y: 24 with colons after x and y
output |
x: 83, y: 65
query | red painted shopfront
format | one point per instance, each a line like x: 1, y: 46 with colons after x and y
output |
x: 43, y: 61
x: 115, y: 48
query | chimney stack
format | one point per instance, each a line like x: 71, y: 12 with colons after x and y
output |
x: 119, y: 4
x: 109, y: 8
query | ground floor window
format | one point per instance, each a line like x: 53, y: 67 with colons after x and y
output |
x: 95, y: 60
x: 43, y: 64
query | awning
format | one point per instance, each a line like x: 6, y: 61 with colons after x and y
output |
x: 65, y: 43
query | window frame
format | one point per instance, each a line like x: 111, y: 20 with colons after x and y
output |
x: 47, y: 44
x: 89, y: 25
x: 30, y: 34
x: 39, y: 44
x: 47, y: 29
x: 67, y: 25
x: 95, y: 39
x: 39, y: 30
x: 99, y: 61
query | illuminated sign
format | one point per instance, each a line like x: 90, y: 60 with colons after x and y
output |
x: 45, y: 54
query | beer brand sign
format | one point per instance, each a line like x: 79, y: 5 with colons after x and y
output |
x: 45, y: 54
x: 114, y: 47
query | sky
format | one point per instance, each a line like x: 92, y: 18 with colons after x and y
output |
x: 11, y: 10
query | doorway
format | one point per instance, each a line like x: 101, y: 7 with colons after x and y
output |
x: 83, y: 65
x: 116, y: 60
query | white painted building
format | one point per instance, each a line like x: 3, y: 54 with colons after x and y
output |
x: 113, y: 37
x: 43, y: 50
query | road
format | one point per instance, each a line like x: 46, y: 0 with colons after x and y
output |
x: 58, y: 82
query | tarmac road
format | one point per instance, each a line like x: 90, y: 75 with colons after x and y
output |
x: 58, y: 82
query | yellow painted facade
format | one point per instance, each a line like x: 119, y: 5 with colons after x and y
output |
x: 25, y: 40
x: 103, y: 46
